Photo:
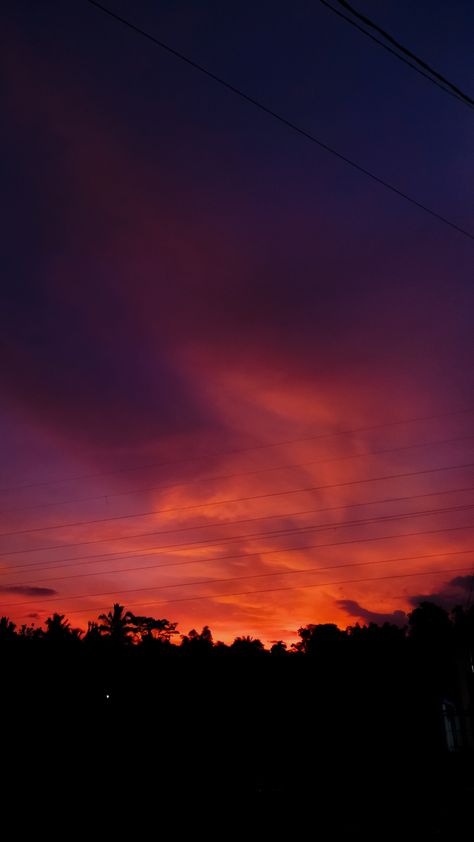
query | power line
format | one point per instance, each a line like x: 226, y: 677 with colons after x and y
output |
x: 216, y: 503
x: 281, y: 119
x: 295, y: 549
x: 310, y: 570
x: 268, y: 469
x: 447, y: 90
x: 207, y: 544
x: 123, y: 555
x: 423, y: 64
x: 237, y: 451
x: 288, y: 588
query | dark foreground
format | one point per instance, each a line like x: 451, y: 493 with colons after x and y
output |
x: 357, y: 749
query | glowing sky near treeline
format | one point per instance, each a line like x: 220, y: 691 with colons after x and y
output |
x: 197, y: 306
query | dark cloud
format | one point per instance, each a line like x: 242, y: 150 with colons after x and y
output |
x: 354, y: 609
x: 464, y: 582
x: 452, y: 593
x: 27, y: 590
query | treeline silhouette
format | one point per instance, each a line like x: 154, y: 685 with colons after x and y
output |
x: 428, y: 624
x: 385, y: 710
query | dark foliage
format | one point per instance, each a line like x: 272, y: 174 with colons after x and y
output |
x: 383, y: 707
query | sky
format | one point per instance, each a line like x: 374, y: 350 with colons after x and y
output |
x: 225, y: 354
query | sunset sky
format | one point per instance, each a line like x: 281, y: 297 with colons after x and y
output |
x: 225, y: 354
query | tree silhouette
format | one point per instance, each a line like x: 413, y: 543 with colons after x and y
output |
x: 358, y: 680
x: 430, y: 624
x: 317, y: 638
x: 279, y: 647
x: 463, y: 622
x: 59, y: 630
x: 247, y: 645
x: 7, y: 630
x: 147, y: 629
x: 196, y: 643
x: 30, y: 631
x: 116, y: 625
x: 93, y: 633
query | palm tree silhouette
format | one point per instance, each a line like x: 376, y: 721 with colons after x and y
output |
x: 59, y: 629
x: 116, y: 624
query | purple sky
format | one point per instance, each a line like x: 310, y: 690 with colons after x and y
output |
x: 183, y: 277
